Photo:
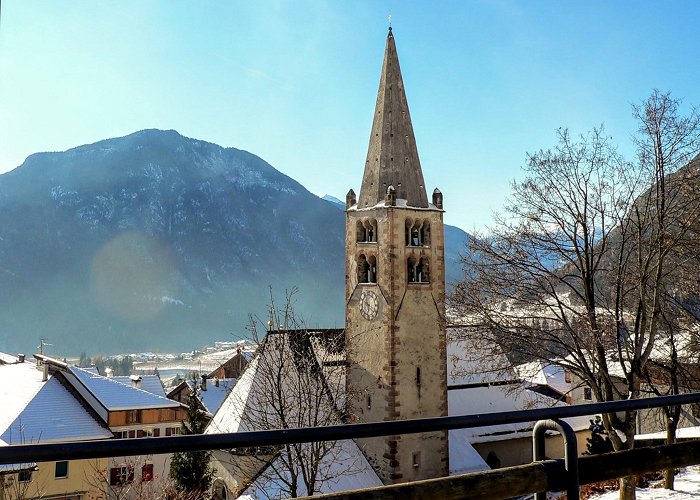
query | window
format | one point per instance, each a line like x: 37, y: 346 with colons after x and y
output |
x: 418, y: 270
x: 147, y: 472
x: 418, y: 376
x: 121, y: 475
x: 24, y: 476
x: 121, y: 434
x: 132, y: 434
x: 587, y: 394
x: 156, y: 432
x: 369, y: 402
x: 61, y: 469
x: 367, y: 269
x: 133, y: 416
x: 417, y: 233
x: 366, y: 231
x: 416, y: 459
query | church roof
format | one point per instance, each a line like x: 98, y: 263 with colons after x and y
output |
x: 392, y: 157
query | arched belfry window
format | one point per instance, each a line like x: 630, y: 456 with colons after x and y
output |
x: 411, y: 269
x: 423, y: 271
x: 361, y: 232
x: 367, y: 231
x: 371, y: 229
x: 417, y: 233
x: 425, y: 230
x: 372, y: 273
x: 367, y: 269
x: 418, y: 270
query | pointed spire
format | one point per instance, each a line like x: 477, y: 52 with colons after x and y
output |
x: 392, y: 157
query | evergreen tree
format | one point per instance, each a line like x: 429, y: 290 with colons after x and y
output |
x: 191, y: 470
x: 599, y: 442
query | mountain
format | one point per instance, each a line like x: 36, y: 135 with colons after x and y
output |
x: 335, y: 201
x: 155, y: 241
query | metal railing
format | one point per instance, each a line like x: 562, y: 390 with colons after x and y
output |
x: 140, y: 446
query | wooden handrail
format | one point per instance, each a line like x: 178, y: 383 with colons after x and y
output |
x: 548, y: 475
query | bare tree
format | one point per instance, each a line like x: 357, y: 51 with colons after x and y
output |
x: 297, y: 379
x: 576, y: 270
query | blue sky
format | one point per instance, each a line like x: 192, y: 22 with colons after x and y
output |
x: 295, y: 82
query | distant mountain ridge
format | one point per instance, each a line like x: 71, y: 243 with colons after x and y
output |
x: 158, y: 241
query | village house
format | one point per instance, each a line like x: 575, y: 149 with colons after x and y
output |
x: 52, y: 401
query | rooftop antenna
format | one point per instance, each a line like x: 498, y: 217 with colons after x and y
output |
x: 42, y: 344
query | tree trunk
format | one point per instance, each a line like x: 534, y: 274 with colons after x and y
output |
x: 628, y: 489
x: 669, y: 474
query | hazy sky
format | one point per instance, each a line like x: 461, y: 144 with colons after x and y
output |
x: 295, y: 82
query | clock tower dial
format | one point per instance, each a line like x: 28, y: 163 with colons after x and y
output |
x: 369, y: 305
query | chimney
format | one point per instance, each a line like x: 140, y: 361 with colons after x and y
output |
x: 204, y: 382
x: 20, y: 358
x: 45, y: 375
x: 216, y: 382
x: 108, y: 372
x: 135, y: 381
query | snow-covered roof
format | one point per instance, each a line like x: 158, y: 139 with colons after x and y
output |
x: 7, y: 359
x: 148, y: 383
x: 480, y: 400
x: 21, y: 382
x: 463, y: 457
x: 215, y: 395
x: 229, y: 417
x: 476, y: 362
x: 543, y: 373
x: 114, y: 395
x: 35, y: 411
x: 54, y: 415
x: 345, y: 466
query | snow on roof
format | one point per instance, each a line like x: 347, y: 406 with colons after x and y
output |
x: 7, y: 358
x: 114, y: 395
x: 542, y: 373
x: 149, y: 383
x: 345, y: 466
x: 214, y: 396
x: 21, y: 382
x: 463, y: 457
x: 54, y: 415
x: 470, y: 361
x: 229, y: 417
x: 481, y: 400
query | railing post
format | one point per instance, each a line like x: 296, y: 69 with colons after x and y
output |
x: 570, y: 453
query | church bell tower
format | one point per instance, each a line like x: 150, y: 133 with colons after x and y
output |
x: 395, y: 293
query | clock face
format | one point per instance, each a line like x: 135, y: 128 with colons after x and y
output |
x: 369, y: 305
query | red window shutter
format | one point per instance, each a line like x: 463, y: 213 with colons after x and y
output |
x: 156, y: 432
x: 168, y: 431
x: 139, y: 433
x: 132, y: 434
x: 114, y: 476
x: 147, y: 472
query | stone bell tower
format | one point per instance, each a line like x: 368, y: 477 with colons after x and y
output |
x: 395, y: 293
